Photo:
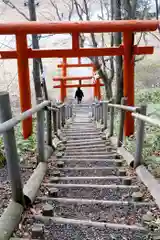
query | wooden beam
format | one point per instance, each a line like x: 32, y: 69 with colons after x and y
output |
x: 70, y: 53
x: 77, y: 85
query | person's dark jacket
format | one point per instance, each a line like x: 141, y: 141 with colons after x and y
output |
x: 79, y: 93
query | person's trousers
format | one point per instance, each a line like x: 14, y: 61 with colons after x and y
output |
x: 79, y: 100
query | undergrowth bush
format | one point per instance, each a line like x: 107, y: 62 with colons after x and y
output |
x: 151, y: 151
x: 148, y: 96
x: 24, y: 146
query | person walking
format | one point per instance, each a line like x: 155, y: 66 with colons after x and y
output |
x: 79, y: 95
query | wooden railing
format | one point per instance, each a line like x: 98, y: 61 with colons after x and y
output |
x: 104, y: 111
x: 53, y: 116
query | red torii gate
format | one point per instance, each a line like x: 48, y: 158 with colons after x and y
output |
x: 65, y: 78
x: 128, y: 50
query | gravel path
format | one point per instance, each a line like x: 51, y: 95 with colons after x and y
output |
x: 114, y: 213
x: 92, y: 211
x: 5, y: 188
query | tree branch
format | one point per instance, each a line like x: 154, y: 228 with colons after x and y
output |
x: 138, y: 59
x: 133, y: 10
x: 79, y: 10
x: 106, y: 5
x: 154, y: 35
x: 59, y: 15
x: 86, y: 10
x: 11, y: 5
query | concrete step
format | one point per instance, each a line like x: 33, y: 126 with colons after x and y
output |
x: 93, y: 156
x: 106, y: 180
x: 90, y: 163
x: 83, y: 150
x: 120, y: 212
x: 94, y: 196
x: 90, y: 153
x: 89, y: 141
x: 93, y: 191
x: 83, y: 136
x: 83, y: 133
x: 82, y: 123
x: 77, y: 131
x: 73, y: 229
x: 81, y: 144
x: 91, y: 146
x: 97, y: 171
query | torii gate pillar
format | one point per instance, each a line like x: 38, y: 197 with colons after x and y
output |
x: 128, y: 80
x: 63, y: 82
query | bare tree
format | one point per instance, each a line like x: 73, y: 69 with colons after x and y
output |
x: 157, y: 11
x: 13, y: 6
x: 35, y: 45
x: 82, y: 10
x: 104, y: 65
x: 37, y: 63
x: 119, y: 61
x: 107, y: 67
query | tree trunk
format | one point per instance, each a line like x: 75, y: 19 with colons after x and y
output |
x: 106, y: 81
x: 157, y: 9
x: 35, y: 45
x: 119, y: 61
x: 43, y: 81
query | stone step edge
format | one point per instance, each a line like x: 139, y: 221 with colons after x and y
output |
x: 69, y: 185
x: 91, y: 160
x: 87, y: 168
x: 94, y: 201
x: 95, y: 178
x: 89, y: 223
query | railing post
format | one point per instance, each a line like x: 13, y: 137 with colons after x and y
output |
x: 63, y: 115
x: 140, y: 137
x: 105, y: 114
x: 66, y: 111
x: 71, y: 111
x: 98, y: 112
x: 11, y: 150
x: 55, y: 124
x: 49, y: 126
x: 121, y: 124
x: 102, y: 119
x: 40, y: 134
x: 111, y: 131
x: 59, y: 118
x: 94, y: 111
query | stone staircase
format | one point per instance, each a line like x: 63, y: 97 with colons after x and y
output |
x: 90, y: 193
